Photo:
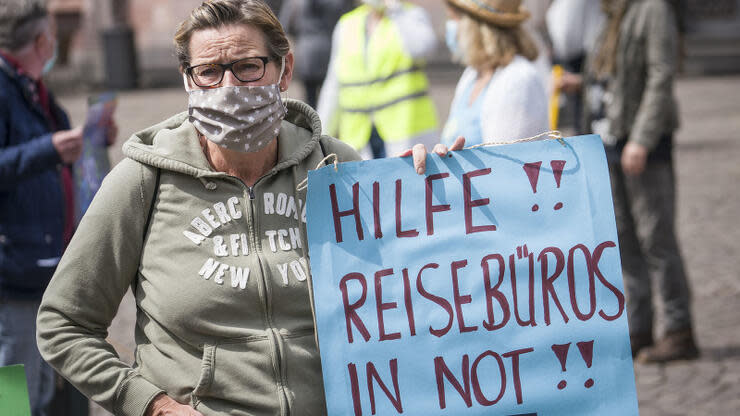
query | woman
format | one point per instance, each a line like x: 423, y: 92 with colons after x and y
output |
x: 203, y: 221
x: 500, y: 96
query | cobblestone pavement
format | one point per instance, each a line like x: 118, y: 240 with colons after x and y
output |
x: 708, y: 169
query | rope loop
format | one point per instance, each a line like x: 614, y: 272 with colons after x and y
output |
x: 304, y: 183
x: 552, y: 134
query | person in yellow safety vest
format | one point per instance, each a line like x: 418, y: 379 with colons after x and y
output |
x: 375, y: 96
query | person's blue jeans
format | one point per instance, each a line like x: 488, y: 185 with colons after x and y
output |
x: 18, y: 346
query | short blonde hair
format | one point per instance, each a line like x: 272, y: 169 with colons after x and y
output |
x: 218, y: 13
x: 486, y: 46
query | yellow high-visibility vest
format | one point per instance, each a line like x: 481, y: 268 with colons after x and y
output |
x: 379, y: 84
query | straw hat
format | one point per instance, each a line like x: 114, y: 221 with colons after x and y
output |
x: 506, y: 13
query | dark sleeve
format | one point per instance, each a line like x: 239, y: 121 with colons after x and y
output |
x: 288, y: 14
x: 20, y: 161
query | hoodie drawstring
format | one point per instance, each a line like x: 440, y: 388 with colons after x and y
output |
x: 210, y: 185
x: 304, y: 183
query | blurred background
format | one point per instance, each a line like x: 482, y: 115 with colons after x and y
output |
x: 128, y: 43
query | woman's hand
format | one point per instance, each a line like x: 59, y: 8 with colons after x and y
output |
x: 164, y: 405
x: 420, y: 153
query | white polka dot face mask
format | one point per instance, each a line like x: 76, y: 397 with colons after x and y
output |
x: 245, y: 119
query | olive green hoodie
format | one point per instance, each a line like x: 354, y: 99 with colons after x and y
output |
x: 219, y: 272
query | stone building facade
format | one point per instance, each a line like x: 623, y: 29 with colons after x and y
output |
x: 712, y: 38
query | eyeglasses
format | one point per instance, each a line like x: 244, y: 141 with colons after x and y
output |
x: 245, y: 70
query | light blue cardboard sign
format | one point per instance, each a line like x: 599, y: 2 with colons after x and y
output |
x: 489, y: 285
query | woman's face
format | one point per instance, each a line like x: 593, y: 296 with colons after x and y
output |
x: 233, y: 42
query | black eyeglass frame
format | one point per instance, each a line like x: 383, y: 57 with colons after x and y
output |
x: 229, y: 66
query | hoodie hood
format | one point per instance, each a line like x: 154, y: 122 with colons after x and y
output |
x: 174, y: 145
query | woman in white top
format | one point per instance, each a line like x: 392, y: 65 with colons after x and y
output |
x: 500, y: 96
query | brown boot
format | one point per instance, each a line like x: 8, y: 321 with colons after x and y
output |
x: 676, y: 345
x: 640, y: 341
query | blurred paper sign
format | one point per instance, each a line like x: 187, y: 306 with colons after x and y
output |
x: 489, y: 285
x: 14, y: 391
x: 93, y: 164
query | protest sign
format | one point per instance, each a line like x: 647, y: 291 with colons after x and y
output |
x: 489, y: 285
x: 93, y: 164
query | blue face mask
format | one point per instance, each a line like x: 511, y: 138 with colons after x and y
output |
x: 451, y: 37
x: 50, y: 63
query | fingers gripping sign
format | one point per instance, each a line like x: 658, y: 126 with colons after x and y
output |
x: 419, y: 152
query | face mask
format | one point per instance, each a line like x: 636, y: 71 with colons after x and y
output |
x: 245, y: 119
x: 50, y: 63
x: 451, y: 37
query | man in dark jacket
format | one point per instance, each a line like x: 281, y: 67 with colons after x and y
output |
x: 311, y: 23
x: 37, y: 149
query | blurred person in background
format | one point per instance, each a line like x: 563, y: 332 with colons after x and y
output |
x: 573, y: 27
x: 500, y: 96
x: 536, y: 26
x: 375, y: 96
x: 37, y: 150
x: 311, y: 23
x: 629, y: 101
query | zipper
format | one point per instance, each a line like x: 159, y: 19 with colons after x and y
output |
x: 277, y: 369
x: 264, y: 289
x: 252, y: 228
